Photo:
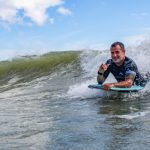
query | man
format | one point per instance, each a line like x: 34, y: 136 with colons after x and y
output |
x: 123, y: 68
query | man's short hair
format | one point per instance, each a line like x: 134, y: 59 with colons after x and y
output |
x: 117, y: 43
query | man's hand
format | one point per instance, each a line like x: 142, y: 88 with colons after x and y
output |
x: 107, y: 86
x: 103, y: 68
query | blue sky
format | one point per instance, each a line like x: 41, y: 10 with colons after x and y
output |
x: 49, y: 25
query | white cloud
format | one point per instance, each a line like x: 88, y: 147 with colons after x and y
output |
x: 64, y: 11
x: 35, y: 10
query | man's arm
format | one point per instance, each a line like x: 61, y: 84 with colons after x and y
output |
x: 102, y: 70
x: 100, y: 79
x: 129, y: 80
x: 127, y: 83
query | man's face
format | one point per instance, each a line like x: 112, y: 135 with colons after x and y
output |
x: 117, y: 54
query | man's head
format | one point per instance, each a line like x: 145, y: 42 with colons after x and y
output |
x: 117, y: 53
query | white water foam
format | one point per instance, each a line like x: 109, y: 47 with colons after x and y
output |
x: 81, y: 90
x: 147, y: 88
x: 133, y: 115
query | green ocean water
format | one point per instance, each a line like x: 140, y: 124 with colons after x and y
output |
x: 31, y: 67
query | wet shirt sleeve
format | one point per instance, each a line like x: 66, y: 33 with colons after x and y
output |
x: 130, y: 70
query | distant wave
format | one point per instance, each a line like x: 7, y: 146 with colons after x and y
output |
x: 31, y: 67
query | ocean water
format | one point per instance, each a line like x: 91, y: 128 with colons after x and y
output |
x: 45, y: 104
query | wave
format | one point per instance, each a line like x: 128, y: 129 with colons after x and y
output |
x: 27, y: 68
x: 76, y: 68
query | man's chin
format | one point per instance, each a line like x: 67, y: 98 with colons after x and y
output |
x: 116, y: 61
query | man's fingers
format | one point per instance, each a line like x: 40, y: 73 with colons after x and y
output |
x: 103, y: 67
x: 108, y: 65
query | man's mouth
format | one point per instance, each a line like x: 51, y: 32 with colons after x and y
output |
x: 116, y: 59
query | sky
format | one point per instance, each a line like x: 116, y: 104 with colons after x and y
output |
x: 56, y: 25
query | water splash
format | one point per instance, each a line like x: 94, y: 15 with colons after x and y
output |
x: 81, y: 90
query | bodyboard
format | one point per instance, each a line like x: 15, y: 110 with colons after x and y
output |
x: 133, y: 88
